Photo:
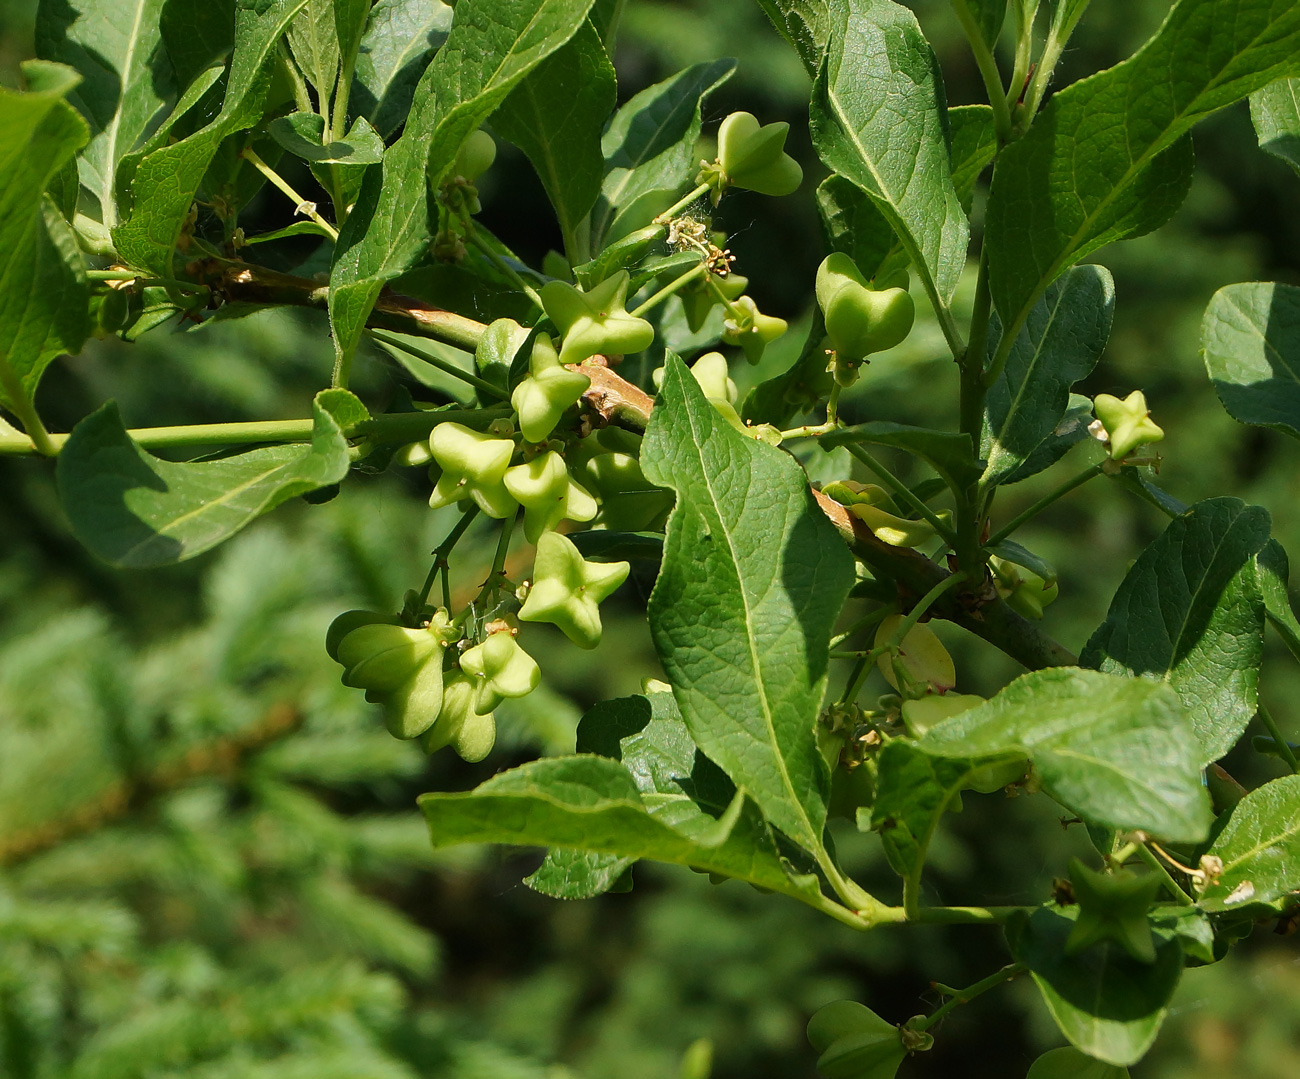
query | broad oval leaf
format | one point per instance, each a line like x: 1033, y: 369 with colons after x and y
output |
x: 1060, y: 343
x: 753, y: 577
x: 1117, y: 751
x: 1250, y: 338
x: 400, y: 40
x: 1189, y: 612
x: 1108, y: 159
x: 133, y: 509
x: 1068, y: 1063
x: 913, y: 789
x: 301, y: 133
x: 1260, y: 849
x: 878, y: 118
x: 948, y: 453
x: 1105, y: 1002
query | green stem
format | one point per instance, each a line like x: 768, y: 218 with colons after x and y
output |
x: 36, y: 437
x: 479, y: 384
x: 899, y: 490
x: 440, y: 554
x: 1057, y: 38
x: 681, y: 204
x: 972, y: 389
x: 865, y: 622
x: 832, y: 419
x: 1042, y: 504
x: 965, y: 996
x: 1287, y: 634
x: 499, y: 561
x: 669, y: 289
x: 966, y: 915
x: 1171, y: 886
x: 302, y: 205
x: 1024, y: 52
x: 495, y: 258
x: 988, y: 67
x: 1283, y: 746
x: 301, y: 97
x: 735, y: 311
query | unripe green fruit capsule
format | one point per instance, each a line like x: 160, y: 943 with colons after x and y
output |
x: 381, y: 657
x: 859, y: 320
x: 921, y: 655
x: 499, y: 668
x: 476, y: 156
x: 347, y: 622
x: 414, y: 706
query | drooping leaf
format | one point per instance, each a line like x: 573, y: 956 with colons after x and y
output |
x: 1117, y: 751
x: 492, y: 47
x: 555, y: 116
x: 753, y: 576
x: 115, y: 45
x: 948, y: 453
x: 1189, y: 612
x: 1108, y: 157
x: 134, y: 509
x: 913, y: 788
x: 1060, y: 343
x: 1260, y: 849
x: 649, y: 150
x: 1106, y: 1003
x: 165, y: 181
x: 803, y: 23
x: 400, y: 40
x: 591, y: 803
x: 1275, y: 111
x: 677, y: 784
x: 1069, y: 431
x: 43, y: 298
x: 1250, y: 338
x: 301, y: 133
x: 878, y: 118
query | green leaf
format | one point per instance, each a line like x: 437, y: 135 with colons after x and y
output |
x: 116, y: 47
x: 1260, y: 848
x: 301, y: 132
x: 1189, y: 612
x: 1106, y: 1003
x: 1275, y: 111
x: 400, y: 40
x: 196, y: 36
x: 1069, y: 432
x: 678, y: 784
x: 1108, y: 158
x: 591, y: 803
x: 803, y: 23
x: 43, y: 297
x: 1117, y: 751
x: 753, y: 577
x: 349, y: 26
x: 913, y: 789
x: 974, y: 145
x: 1272, y: 569
x: 315, y: 46
x: 649, y: 150
x: 1060, y: 343
x: 948, y: 453
x: 988, y: 16
x: 165, y: 181
x: 556, y: 116
x: 897, y: 155
x: 1250, y: 338
x: 133, y: 509
x: 492, y: 47
x: 1068, y: 1063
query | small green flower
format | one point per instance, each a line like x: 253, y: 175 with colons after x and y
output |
x: 1126, y: 424
x: 543, y: 487
x: 751, y: 329
x: 1113, y: 906
x: 596, y: 322
x: 473, y: 466
x: 499, y: 668
x: 544, y: 394
x: 567, y: 589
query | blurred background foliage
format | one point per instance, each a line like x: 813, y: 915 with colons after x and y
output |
x: 210, y: 860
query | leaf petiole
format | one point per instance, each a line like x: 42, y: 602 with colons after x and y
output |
x: 669, y: 289
x: 301, y: 205
x: 1042, y: 504
x: 958, y: 997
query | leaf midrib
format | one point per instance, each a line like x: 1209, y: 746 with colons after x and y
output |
x: 107, y: 205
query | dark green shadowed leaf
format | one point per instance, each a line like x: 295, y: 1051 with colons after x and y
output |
x: 492, y: 47
x: 753, y: 577
x: 400, y: 40
x: 43, y: 298
x: 166, y: 180
x: 1250, y: 338
x: 897, y: 154
x: 988, y: 16
x: 1108, y: 158
x: 649, y: 150
x: 1061, y: 342
x: 913, y: 788
x: 1272, y: 570
x: 115, y: 45
x: 1069, y: 431
x: 133, y: 509
x: 1190, y: 613
x: 301, y: 132
x: 974, y: 142
x: 949, y: 454
x: 677, y: 784
x: 1117, y: 751
x: 1260, y: 849
x: 591, y: 803
x: 803, y: 23
x: 1106, y: 1003
x: 555, y: 116
x: 1275, y: 111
